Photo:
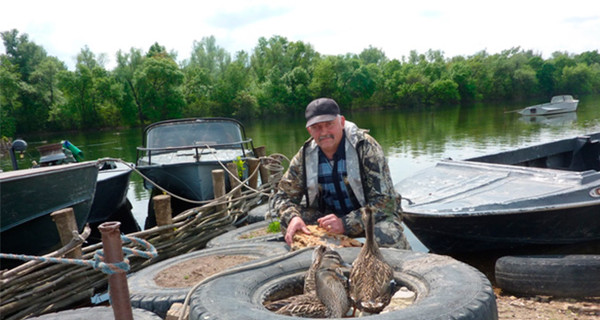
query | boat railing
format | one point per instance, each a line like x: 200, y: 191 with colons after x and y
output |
x: 198, y: 149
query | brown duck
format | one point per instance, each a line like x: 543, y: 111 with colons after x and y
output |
x: 327, y: 296
x: 332, y: 285
x: 371, y: 278
x: 309, y: 279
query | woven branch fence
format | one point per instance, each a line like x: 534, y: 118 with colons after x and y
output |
x: 37, y: 288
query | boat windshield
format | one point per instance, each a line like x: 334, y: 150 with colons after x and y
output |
x: 193, y: 134
x: 556, y: 99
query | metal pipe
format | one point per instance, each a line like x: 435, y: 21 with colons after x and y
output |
x: 117, y: 282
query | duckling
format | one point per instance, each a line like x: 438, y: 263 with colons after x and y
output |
x: 371, y: 277
x: 329, y: 298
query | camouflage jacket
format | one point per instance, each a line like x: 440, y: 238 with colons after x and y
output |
x: 368, y: 177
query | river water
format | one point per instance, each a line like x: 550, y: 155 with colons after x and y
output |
x: 412, y: 140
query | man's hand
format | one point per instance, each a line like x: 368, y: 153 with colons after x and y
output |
x: 331, y: 223
x: 295, y: 224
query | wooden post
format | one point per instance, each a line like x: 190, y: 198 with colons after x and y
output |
x: 252, y: 165
x: 162, y: 209
x: 66, y: 224
x: 233, y: 174
x: 117, y: 282
x: 218, y: 177
x: 260, y: 152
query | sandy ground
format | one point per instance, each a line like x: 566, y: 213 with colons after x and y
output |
x: 546, y: 308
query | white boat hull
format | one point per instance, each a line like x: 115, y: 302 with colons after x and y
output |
x: 558, y: 104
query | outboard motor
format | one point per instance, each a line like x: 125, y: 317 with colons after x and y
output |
x: 20, y: 146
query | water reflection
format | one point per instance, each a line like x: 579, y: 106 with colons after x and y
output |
x: 553, y: 120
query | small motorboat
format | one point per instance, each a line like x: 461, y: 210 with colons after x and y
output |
x: 111, y: 186
x: 29, y: 196
x: 542, y: 195
x: 558, y: 104
x: 179, y: 155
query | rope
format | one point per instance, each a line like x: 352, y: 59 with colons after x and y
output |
x: 98, y: 262
x: 273, y: 165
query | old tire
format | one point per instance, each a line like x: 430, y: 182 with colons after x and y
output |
x: 146, y: 294
x: 258, y: 213
x: 445, y: 288
x: 553, y: 275
x: 96, y: 313
x: 237, y: 235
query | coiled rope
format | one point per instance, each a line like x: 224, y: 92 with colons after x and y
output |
x: 97, y: 263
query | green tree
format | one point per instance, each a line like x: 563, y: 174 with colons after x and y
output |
x: 444, y: 92
x: 159, y: 83
x: 278, y: 84
x: 461, y: 73
x: 92, y: 95
x: 229, y: 87
x: 576, y: 79
x: 207, y: 55
x: 204, y: 72
x: 10, y: 81
x: 45, y: 81
x: 525, y: 82
x: 127, y: 65
x: 25, y: 56
x: 373, y: 56
x: 413, y: 87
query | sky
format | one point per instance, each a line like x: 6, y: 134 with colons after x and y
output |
x: 457, y: 28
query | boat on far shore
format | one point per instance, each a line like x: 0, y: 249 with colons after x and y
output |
x: 545, y: 195
x: 558, y: 104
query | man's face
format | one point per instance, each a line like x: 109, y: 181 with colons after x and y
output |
x: 328, y: 134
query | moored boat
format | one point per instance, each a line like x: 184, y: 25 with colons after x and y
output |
x: 110, y: 199
x: 29, y: 196
x: 558, y: 104
x: 179, y: 156
x: 542, y: 195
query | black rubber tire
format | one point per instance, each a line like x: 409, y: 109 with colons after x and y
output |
x: 96, y: 313
x: 445, y: 288
x: 234, y: 236
x: 146, y: 294
x: 257, y: 214
x: 552, y: 275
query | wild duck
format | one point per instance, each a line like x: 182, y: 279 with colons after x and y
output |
x: 305, y: 305
x: 327, y: 296
x: 309, y: 279
x: 371, y: 277
x: 332, y: 285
